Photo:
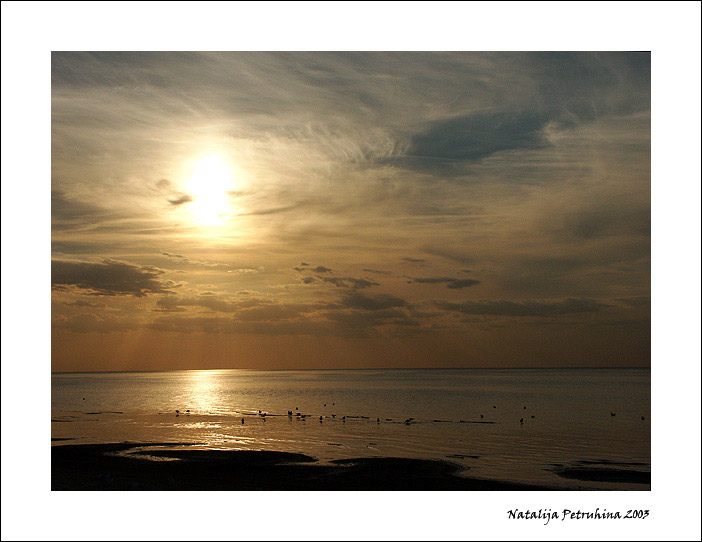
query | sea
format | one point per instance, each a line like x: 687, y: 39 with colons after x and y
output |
x: 515, y: 425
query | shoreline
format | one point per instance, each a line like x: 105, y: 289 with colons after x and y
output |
x: 123, y: 467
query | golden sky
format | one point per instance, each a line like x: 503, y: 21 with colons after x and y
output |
x: 328, y: 210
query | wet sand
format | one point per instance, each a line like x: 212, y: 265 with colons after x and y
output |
x: 126, y: 466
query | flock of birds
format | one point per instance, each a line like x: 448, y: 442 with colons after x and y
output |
x: 409, y: 421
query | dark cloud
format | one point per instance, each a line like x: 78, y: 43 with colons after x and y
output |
x: 477, y: 136
x: 304, y: 264
x: 574, y: 88
x: 378, y: 272
x: 357, y: 300
x: 81, y: 303
x: 349, y: 282
x: 336, y: 281
x: 308, y: 280
x: 361, y: 283
x: 413, y: 260
x: 367, y: 320
x: 523, y: 308
x: 449, y: 254
x: 321, y: 269
x: 453, y: 284
x: 179, y: 198
x: 109, y: 277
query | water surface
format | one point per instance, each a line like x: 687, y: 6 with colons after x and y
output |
x: 471, y: 417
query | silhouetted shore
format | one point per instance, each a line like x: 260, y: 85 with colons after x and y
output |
x: 101, y: 467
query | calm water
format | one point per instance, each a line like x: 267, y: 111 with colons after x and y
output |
x: 571, y: 410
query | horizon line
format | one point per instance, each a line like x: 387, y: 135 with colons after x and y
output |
x: 360, y: 369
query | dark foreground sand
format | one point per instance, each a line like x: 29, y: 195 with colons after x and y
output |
x: 98, y: 467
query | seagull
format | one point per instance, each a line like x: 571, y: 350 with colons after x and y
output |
x: 612, y: 414
x: 242, y: 421
x: 521, y: 420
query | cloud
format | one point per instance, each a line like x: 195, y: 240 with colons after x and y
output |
x: 378, y: 272
x: 349, y: 282
x: 179, y: 198
x: 449, y: 254
x: 365, y: 323
x: 524, y: 308
x: 181, y: 259
x: 267, y: 313
x: 218, y: 325
x: 357, y: 300
x: 81, y: 303
x: 532, y: 169
x: 479, y: 135
x: 91, y: 323
x: 109, y: 277
x: 211, y: 302
x: 453, y: 284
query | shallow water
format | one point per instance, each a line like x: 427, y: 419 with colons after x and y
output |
x: 571, y: 411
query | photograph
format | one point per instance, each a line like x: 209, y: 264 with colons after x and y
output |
x: 350, y: 271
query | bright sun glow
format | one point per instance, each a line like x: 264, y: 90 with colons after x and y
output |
x: 209, y: 186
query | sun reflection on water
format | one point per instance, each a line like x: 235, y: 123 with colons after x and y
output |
x: 204, y: 393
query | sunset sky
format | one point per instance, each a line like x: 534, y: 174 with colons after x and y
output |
x: 350, y: 210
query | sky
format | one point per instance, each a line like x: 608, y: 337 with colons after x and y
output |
x: 350, y: 210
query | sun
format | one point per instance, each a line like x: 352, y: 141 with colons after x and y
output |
x: 209, y: 187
